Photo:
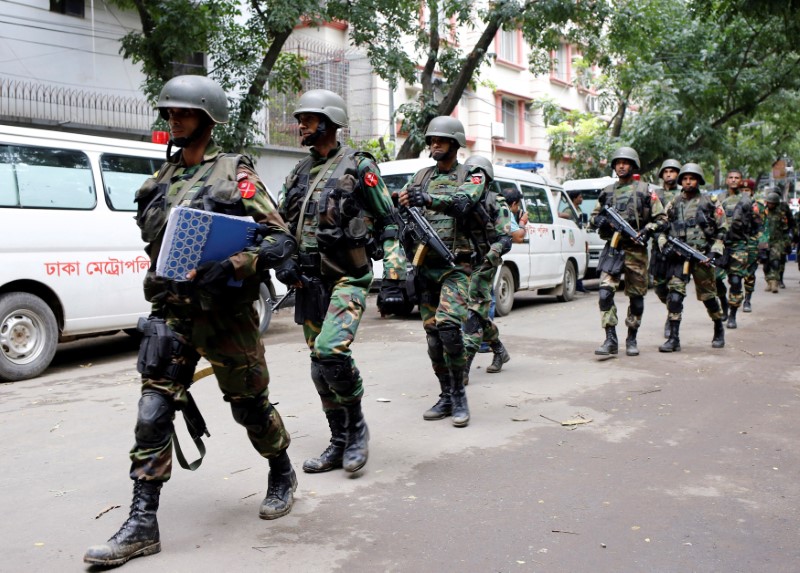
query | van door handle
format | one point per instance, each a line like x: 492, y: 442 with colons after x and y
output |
x: 554, y: 234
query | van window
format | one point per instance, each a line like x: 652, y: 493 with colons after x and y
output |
x: 565, y: 208
x: 44, y: 177
x: 122, y: 177
x: 395, y: 183
x: 537, y: 204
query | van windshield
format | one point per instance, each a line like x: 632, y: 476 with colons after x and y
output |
x: 396, y: 182
x: 589, y: 200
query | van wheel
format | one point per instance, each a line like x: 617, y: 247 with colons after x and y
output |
x: 28, y: 336
x: 570, y: 283
x: 504, y: 292
x: 263, y: 308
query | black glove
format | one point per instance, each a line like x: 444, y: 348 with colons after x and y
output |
x: 667, y: 249
x: 288, y: 272
x: 602, y: 224
x: 392, y: 297
x: 417, y: 197
x: 212, y: 277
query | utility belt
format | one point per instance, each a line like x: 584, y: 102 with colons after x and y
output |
x: 163, y: 355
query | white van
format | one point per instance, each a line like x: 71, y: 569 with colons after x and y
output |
x: 71, y: 257
x: 554, y: 255
x: 590, y: 189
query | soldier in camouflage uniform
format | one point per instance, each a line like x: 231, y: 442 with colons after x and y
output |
x: 753, y: 240
x: 446, y: 192
x: 206, y: 316
x: 774, y: 239
x: 738, y: 209
x: 695, y: 220
x: 341, y: 214
x: 644, y: 212
x: 790, y: 235
x: 658, y: 265
x: 490, y: 229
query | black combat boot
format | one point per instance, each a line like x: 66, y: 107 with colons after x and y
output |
x: 459, y: 396
x: 673, y: 343
x: 331, y: 458
x: 356, y: 451
x: 467, y: 368
x: 732, y: 317
x: 719, y: 335
x: 444, y: 407
x: 138, y: 536
x: 281, y: 485
x: 631, y: 348
x: 610, y: 344
x: 723, y: 302
x: 501, y: 356
x: 746, y: 306
x: 666, y: 328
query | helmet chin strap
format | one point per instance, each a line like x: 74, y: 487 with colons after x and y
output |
x: 322, y: 129
x: 205, y: 121
x: 451, y: 152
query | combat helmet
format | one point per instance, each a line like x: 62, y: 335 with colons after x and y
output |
x: 482, y: 163
x: 324, y: 102
x: 674, y: 163
x: 772, y: 197
x: 194, y: 92
x: 693, y: 169
x: 628, y: 153
x: 446, y: 126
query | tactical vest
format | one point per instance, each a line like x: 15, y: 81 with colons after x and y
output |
x: 631, y: 201
x: 692, y: 220
x: 739, y: 212
x: 453, y: 233
x: 335, y: 232
x: 665, y: 196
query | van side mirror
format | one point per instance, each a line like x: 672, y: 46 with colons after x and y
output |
x: 584, y: 219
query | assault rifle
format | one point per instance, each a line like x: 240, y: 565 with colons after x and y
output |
x: 420, y: 231
x: 622, y: 227
x: 689, y: 253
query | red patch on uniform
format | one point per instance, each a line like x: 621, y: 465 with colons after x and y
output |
x: 247, y: 189
x: 720, y: 212
x: 653, y: 196
x: 370, y: 179
x: 755, y: 208
x: 241, y: 175
x: 476, y: 179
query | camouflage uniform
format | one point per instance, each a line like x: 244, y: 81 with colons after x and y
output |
x: 491, y: 249
x: 658, y: 265
x: 702, y: 226
x: 774, y: 239
x: 753, y: 240
x: 330, y: 254
x: 738, y: 209
x: 222, y: 329
x: 643, y: 211
x: 443, y: 300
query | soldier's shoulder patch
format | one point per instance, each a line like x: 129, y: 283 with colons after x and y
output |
x: 720, y: 211
x: 476, y: 178
x: 653, y: 196
x: 242, y: 174
x: 247, y: 188
x: 370, y: 179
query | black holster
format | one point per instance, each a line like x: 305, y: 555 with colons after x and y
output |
x: 155, y: 350
x: 612, y: 260
x: 311, y: 301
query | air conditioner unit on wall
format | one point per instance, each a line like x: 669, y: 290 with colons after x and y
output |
x: 498, y: 130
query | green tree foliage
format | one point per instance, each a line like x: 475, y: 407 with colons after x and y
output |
x: 690, y: 80
x: 242, y: 48
x: 449, y: 65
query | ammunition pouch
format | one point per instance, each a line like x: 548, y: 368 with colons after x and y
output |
x: 311, y: 301
x: 611, y: 261
x: 151, y: 209
x: 155, y: 350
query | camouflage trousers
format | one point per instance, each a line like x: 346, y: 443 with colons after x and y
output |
x: 480, y: 301
x: 636, y: 279
x: 737, y: 267
x: 443, y: 306
x: 332, y: 338
x: 752, y: 266
x: 230, y: 341
x: 773, y: 268
x: 705, y: 284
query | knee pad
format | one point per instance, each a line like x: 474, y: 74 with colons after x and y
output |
x: 452, y: 340
x: 675, y: 302
x: 712, y: 305
x: 318, y: 378
x: 252, y: 413
x: 736, y: 284
x: 636, y: 306
x: 435, y: 349
x: 340, y: 373
x: 474, y: 323
x: 606, y: 298
x: 154, y: 420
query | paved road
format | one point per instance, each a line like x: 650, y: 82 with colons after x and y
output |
x: 687, y: 462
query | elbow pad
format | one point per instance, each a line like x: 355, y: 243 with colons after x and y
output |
x: 459, y: 208
x: 275, y: 249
